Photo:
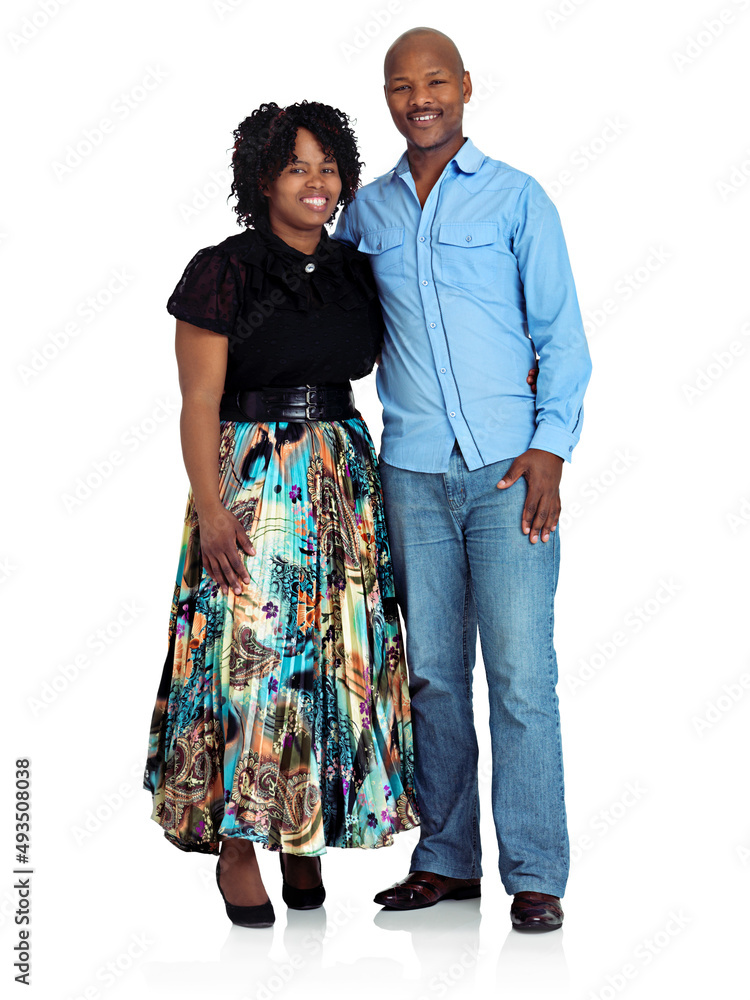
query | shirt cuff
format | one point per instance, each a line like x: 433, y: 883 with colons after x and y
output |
x: 555, y: 440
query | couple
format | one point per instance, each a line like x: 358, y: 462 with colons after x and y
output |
x: 284, y: 716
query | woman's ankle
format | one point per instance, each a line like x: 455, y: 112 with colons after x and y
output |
x: 239, y: 874
x: 302, y: 872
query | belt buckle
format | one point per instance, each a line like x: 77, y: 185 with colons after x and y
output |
x: 311, y: 400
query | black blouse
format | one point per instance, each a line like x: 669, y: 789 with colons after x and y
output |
x: 291, y: 318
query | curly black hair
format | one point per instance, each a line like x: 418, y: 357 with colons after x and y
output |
x: 265, y: 145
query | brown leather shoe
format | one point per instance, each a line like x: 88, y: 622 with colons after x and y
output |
x: 420, y: 889
x: 536, y: 911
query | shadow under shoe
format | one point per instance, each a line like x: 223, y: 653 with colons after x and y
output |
x: 301, y: 899
x: 247, y: 916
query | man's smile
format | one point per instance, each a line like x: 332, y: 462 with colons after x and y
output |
x: 424, y: 117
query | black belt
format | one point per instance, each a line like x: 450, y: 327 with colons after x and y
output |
x: 299, y: 402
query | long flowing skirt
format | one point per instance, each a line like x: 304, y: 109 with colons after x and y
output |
x: 283, y: 713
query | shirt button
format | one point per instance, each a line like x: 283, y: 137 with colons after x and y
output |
x: 468, y: 239
x: 452, y: 413
x: 433, y: 325
x: 379, y: 246
x: 310, y: 267
x: 425, y: 282
x: 442, y: 371
x: 421, y: 239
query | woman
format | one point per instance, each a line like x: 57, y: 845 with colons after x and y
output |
x: 283, y: 715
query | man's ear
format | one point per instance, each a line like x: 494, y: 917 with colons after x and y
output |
x: 467, y: 86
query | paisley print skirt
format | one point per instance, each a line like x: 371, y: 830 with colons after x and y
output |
x: 283, y: 713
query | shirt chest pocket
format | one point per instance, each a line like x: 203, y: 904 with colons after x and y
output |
x: 471, y: 253
x: 385, y: 248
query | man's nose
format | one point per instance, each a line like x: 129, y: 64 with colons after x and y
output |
x: 420, y: 96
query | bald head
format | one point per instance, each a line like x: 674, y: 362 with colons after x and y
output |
x: 443, y: 47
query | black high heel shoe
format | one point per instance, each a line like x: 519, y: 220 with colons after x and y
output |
x: 301, y: 899
x: 247, y: 916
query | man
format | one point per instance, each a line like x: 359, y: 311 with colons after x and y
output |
x: 474, y: 280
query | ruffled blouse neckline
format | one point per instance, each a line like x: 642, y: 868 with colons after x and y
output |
x: 329, y: 274
x: 324, y: 248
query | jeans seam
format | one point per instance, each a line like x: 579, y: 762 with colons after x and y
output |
x: 551, y: 622
x: 450, y: 504
x: 468, y: 596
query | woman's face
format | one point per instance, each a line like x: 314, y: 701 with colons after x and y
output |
x: 306, y: 192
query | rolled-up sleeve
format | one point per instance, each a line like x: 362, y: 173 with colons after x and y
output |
x: 553, y: 319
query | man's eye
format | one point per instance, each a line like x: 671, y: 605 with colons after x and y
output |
x: 437, y: 81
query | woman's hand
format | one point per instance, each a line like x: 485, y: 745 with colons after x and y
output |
x: 220, y: 534
x: 531, y: 378
x: 202, y: 365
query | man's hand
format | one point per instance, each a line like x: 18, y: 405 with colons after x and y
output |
x: 532, y: 377
x: 542, y: 471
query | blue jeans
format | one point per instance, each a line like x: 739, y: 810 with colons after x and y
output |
x: 460, y: 560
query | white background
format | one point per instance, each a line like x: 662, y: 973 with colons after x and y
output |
x: 654, y: 729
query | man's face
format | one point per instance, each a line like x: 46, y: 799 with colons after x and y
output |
x: 426, y: 91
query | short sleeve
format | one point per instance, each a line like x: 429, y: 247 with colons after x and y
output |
x: 346, y: 226
x: 209, y: 293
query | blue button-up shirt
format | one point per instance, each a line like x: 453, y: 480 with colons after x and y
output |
x: 473, y: 286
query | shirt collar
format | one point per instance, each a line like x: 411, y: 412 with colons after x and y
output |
x: 468, y: 159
